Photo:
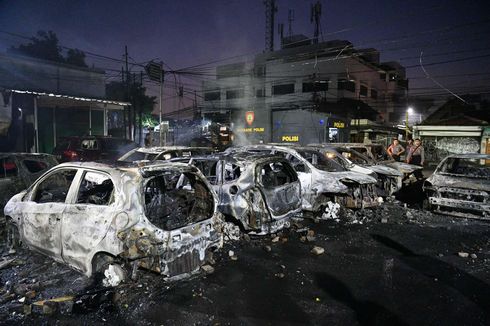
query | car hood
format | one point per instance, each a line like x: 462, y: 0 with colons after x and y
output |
x: 444, y: 180
x: 386, y: 170
x: 353, y: 176
x: 403, y: 167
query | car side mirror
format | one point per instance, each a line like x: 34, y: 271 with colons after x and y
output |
x: 233, y: 190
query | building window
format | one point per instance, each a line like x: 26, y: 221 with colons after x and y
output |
x: 212, y: 96
x: 348, y: 85
x: 393, y: 77
x: 317, y: 86
x: 374, y: 94
x: 234, y: 93
x: 260, y: 92
x: 283, y: 89
x: 363, y: 90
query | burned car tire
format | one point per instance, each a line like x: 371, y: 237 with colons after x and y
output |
x: 108, y: 271
x: 14, y: 241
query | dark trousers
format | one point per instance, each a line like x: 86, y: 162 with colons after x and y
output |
x: 417, y: 160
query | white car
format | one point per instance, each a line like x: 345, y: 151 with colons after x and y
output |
x: 162, y: 217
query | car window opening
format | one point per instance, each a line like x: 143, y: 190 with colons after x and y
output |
x: 174, y: 200
x: 96, y: 189
x: 276, y: 174
x: 55, y: 187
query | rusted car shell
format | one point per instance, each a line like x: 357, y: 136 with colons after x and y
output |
x: 120, y: 230
x: 260, y: 210
x: 459, y: 195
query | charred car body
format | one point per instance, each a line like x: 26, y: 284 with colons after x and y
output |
x: 260, y: 193
x: 162, y: 153
x: 162, y: 217
x: 389, y: 179
x: 378, y: 154
x: 19, y: 170
x: 322, y: 179
x: 460, y: 186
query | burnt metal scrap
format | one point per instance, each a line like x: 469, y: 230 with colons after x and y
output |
x: 260, y: 193
x: 322, y: 179
x: 162, y: 217
x: 460, y: 186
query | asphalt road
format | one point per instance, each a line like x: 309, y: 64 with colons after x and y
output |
x: 400, y: 272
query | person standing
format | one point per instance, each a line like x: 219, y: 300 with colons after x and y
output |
x: 395, y: 150
x: 416, y: 156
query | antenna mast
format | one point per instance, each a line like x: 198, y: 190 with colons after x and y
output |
x: 316, y: 12
x: 270, y: 12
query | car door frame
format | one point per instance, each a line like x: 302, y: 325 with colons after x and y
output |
x: 73, y: 237
x: 53, y: 211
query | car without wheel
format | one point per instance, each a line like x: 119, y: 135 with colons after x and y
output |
x: 460, y: 186
x: 161, y: 217
x: 259, y: 193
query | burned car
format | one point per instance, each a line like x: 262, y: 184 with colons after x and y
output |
x: 99, y: 218
x: 323, y: 180
x: 259, y: 193
x: 460, y: 186
x: 389, y: 179
x: 162, y: 153
x: 378, y: 154
x: 19, y: 170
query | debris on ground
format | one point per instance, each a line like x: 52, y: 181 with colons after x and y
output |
x: 317, y: 250
x: 208, y: 269
x: 331, y: 211
x: 267, y: 248
x: 231, y: 232
x: 114, y: 275
x: 463, y: 254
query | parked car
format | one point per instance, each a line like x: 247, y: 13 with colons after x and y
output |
x: 162, y: 153
x: 91, y: 148
x: 322, y: 179
x: 460, y: 186
x: 390, y: 180
x: 97, y: 218
x: 259, y: 193
x: 19, y: 170
x: 378, y: 153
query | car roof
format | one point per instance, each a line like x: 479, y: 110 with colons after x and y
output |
x: 27, y: 155
x: 470, y: 155
x: 161, y: 149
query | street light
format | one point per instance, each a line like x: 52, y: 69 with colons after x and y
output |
x: 409, y: 111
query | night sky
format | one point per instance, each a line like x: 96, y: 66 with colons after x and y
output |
x: 186, y: 33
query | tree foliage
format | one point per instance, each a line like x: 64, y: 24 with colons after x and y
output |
x: 118, y: 91
x: 45, y: 45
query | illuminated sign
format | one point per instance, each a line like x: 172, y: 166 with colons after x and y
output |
x: 290, y: 138
x: 249, y: 117
x: 339, y: 124
x: 258, y: 129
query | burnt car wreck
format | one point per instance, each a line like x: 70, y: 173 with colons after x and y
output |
x: 259, y: 193
x: 326, y: 185
x: 460, y: 186
x: 100, y: 219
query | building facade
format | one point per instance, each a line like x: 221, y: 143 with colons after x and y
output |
x: 305, y: 93
x: 41, y: 101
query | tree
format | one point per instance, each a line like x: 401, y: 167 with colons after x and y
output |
x: 45, y: 45
x: 76, y: 57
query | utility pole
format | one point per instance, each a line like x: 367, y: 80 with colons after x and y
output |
x: 316, y: 12
x: 270, y: 12
x: 130, y: 126
x: 161, y: 104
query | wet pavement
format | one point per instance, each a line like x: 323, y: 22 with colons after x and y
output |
x: 393, y: 265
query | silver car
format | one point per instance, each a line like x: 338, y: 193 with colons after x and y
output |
x: 162, y: 217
